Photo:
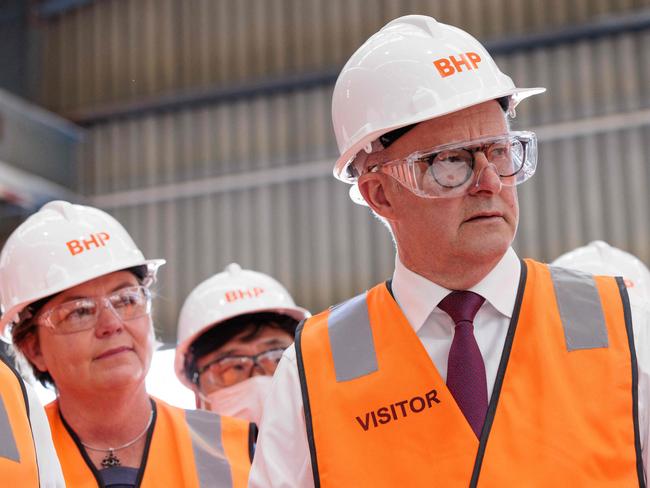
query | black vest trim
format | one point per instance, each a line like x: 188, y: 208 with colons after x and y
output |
x: 498, y: 382
x: 305, y: 401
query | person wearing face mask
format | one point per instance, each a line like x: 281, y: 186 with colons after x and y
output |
x: 232, y: 331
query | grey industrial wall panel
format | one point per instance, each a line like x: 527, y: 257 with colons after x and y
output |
x: 120, y: 50
x: 191, y: 144
x: 585, y: 190
x: 583, y: 80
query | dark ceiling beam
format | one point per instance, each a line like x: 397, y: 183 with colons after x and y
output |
x: 197, y: 97
x: 600, y: 27
x: 50, y: 8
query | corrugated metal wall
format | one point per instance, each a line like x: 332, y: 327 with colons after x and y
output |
x: 249, y: 180
x: 116, y: 50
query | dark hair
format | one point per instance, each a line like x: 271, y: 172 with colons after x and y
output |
x: 215, y: 337
x: 25, y: 326
x: 390, y: 137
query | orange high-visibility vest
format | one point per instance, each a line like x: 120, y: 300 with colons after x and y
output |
x: 18, y: 465
x: 563, y: 411
x: 188, y: 448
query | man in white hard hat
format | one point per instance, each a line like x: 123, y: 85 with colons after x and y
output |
x: 469, y: 367
x: 232, y: 331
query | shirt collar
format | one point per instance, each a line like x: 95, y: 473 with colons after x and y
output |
x: 417, y: 296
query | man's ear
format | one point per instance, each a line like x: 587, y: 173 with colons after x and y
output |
x: 31, y: 348
x: 378, y: 190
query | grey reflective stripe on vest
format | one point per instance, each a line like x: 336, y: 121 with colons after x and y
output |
x: 212, y: 467
x: 351, y: 341
x: 580, y: 309
x: 8, y: 447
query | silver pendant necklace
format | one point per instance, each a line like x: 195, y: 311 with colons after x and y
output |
x: 111, y: 460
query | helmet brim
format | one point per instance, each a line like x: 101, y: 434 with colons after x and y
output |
x: 517, y: 94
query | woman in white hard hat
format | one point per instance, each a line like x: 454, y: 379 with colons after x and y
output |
x: 232, y: 331
x: 76, y: 289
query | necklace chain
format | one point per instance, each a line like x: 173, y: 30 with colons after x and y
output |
x: 124, y: 446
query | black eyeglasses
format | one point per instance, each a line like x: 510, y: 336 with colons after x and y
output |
x: 228, y: 370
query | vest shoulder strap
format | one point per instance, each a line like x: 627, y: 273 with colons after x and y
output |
x: 205, y: 434
x: 580, y: 308
x: 351, y: 341
x: 8, y: 445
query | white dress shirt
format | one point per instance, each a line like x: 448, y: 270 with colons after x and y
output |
x: 282, y: 458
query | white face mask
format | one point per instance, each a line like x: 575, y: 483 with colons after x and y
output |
x: 244, y: 400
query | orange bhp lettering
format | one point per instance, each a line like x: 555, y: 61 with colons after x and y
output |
x: 234, y: 295
x: 474, y: 58
x: 74, y: 247
x: 92, y: 240
x: 457, y: 64
x: 444, y: 67
x: 460, y: 62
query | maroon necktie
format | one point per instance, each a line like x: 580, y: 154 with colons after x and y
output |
x: 465, y: 368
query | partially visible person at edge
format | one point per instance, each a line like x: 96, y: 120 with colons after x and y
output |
x: 76, y: 289
x: 27, y: 455
x: 232, y: 331
x: 469, y: 367
x: 601, y: 258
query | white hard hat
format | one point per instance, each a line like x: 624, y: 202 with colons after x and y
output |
x: 600, y: 258
x: 61, y: 246
x: 413, y: 69
x: 233, y: 292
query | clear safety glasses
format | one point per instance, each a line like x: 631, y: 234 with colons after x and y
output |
x: 448, y: 171
x: 228, y: 370
x: 83, y: 313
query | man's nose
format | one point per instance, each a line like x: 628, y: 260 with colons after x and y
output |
x: 486, y: 176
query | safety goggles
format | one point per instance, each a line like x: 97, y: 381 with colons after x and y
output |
x: 83, y: 313
x: 448, y: 171
x: 228, y: 370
